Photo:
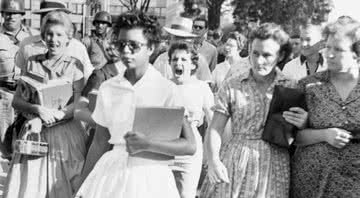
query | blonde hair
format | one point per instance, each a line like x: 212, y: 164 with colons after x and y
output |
x: 57, y: 18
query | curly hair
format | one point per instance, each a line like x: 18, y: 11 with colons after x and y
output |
x: 273, y: 31
x: 189, y: 49
x: 138, y: 19
x: 345, y: 28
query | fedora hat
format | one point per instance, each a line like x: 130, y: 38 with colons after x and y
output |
x: 181, y: 27
x: 51, y: 5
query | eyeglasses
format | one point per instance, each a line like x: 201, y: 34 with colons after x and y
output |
x: 134, y: 46
x: 198, y: 27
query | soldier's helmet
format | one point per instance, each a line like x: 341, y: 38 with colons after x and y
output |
x: 102, y: 16
x: 13, y: 6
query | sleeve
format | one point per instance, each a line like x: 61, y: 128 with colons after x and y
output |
x: 203, y: 73
x: 223, y: 99
x: 20, y: 60
x: 208, y: 100
x: 85, y: 60
x: 93, y: 82
x: 213, y: 60
x: 99, y: 115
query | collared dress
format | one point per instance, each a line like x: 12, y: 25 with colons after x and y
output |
x: 117, y: 174
x: 34, y: 45
x: 50, y: 176
x: 321, y: 170
x: 255, y: 168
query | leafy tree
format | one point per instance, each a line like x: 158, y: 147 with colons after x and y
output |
x: 289, y: 13
x: 134, y: 4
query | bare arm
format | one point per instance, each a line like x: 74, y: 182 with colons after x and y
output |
x: 213, y: 135
x: 82, y: 111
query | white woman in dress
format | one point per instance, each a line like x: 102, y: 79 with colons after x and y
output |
x: 246, y: 166
x: 50, y: 176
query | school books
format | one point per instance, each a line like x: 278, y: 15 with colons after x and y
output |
x: 53, y: 94
x: 158, y: 123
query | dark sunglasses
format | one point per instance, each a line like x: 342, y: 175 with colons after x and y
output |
x: 198, y: 27
x: 134, y: 46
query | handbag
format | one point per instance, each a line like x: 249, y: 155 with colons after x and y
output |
x: 277, y: 130
x: 26, y: 146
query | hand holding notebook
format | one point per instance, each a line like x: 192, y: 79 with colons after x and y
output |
x: 154, y: 123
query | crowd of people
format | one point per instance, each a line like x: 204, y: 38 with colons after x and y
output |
x: 92, y: 150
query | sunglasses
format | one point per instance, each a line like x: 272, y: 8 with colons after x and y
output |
x: 198, y: 27
x: 134, y: 46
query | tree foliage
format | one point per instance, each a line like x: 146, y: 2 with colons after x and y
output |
x: 142, y: 5
x: 288, y: 13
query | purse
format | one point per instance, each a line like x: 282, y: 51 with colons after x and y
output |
x: 277, y: 130
x: 26, y: 146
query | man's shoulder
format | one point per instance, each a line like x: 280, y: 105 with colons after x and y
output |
x: 209, y: 45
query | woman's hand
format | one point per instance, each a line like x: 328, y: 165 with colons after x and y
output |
x: 35, y: 125
x: 296, y: 116
x: 338, y: 137
x: 47, y: 115
x: 136, y: 142
x: 217, y: 172
x: 59, y: 115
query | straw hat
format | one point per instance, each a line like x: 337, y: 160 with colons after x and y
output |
x: 51, y: 5
x: 181, y: 27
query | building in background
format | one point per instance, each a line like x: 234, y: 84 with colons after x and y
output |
x: 83, y: 11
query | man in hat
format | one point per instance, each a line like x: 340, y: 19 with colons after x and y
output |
x: 13, y: 11
x: 98, y: 45
x: 181, y: 30
x: 35, y: 45
x: 200, y: 28
x: 12, y: 32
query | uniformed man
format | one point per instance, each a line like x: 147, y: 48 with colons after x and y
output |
x: 12, y: 32
x: 98, y: 45
x: 13, y: 11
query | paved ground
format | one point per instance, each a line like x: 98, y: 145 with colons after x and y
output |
x: 4, y: 167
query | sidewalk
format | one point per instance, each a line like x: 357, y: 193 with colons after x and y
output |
x: 4, y: 167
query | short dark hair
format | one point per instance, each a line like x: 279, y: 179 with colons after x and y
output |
x: 271, y: 30
x: 202, y: 18
x: 189, y: 49
x: 138, y: 19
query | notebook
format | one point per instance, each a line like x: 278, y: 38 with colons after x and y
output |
x: 159, y: 123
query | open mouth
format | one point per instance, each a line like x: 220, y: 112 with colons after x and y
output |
x: 179, y: 71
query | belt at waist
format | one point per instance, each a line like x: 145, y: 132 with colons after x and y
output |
x: 138, y: 161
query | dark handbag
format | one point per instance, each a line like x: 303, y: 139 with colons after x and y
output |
x: 277, y: 130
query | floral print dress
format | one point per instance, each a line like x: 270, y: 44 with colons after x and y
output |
x: 255, y: 168
x: 321, y: 170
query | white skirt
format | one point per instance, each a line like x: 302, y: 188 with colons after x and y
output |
x: 116, y: 175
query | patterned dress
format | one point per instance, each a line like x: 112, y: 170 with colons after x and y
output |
x: 51, y: 176
x: 321, y: 170
x: 255, y: 167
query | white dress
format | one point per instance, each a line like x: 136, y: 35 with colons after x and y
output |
x: 116, y: 174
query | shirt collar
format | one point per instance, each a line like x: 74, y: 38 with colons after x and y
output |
x: 279, y: 76
x: 320, y: 61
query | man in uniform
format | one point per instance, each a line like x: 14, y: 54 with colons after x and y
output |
x: 35, y: 45
x: 98, y: 45
x: 12, y: 32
